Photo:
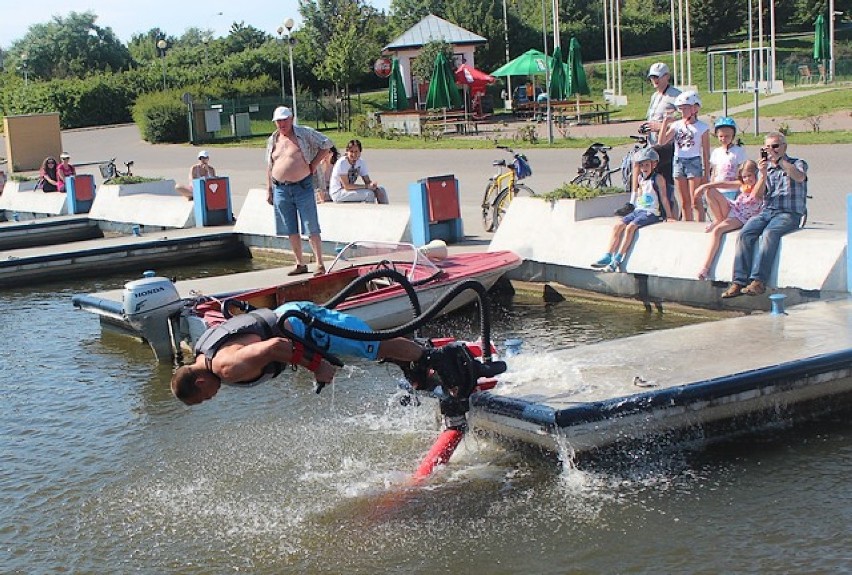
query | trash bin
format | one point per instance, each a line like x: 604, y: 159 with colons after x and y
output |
x: 435, y: 210
x: 80, y: 191
x: 212, y: 197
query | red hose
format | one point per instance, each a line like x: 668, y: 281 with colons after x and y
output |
x: 440, y: 453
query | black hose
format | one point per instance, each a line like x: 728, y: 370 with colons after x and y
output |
x: 379, y: 273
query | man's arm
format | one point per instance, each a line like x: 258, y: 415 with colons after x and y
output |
x: 322, y: 154
x: 796, y: 174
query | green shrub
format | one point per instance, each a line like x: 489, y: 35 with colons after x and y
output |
x: 126, y: 180
x: 575, y: 192
x: 161, y: 117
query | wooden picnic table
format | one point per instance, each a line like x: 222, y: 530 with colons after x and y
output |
x: 459, y: 121
x: 566, y: 111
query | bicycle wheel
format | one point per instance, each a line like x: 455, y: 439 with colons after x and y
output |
x: 487, y: 204
x: 501, y: 204
x: 587, y: 180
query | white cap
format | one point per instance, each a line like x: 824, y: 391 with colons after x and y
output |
x: 282, y: 113
x: 658, y: 69
x: 64, y: 155
x: 203, y: 154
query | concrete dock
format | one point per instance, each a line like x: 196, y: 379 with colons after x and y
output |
x: 717, y: 378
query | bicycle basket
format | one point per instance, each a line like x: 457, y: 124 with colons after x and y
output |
x: 106, y: 171
x: 522, y: 167
x: 591, y: 159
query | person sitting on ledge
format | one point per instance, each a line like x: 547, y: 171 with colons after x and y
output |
x: 252, y: 348
x: 202, y: 169
x: 344, y: 178
x: 48, y: 178
x: 650, y: 206
x: 64, y: 170
x: 785, y: 204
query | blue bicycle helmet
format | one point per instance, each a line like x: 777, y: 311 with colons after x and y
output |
x: 725, y: 121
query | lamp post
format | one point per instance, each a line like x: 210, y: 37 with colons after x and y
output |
x: 506, y: 42
x: 281, y: 61
x: 289, y: 25
x: 161, y: 46
x: 206, y: 41
x: 24, y: 63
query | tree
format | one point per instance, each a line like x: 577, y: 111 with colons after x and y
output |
x: 143, y: 46
x: 71, y: 46
x: 347, y: 55
x: 407, y: 13
x: 424, y: 65
x: 242, y: 37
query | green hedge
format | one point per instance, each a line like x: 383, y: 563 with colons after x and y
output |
x: 161, y: 117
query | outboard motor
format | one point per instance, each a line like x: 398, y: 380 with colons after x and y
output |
x: 152, y: 306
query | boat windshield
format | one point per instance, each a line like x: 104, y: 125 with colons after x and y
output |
x: 403, y: 257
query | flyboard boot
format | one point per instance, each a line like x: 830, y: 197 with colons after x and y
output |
x: 451, y: 366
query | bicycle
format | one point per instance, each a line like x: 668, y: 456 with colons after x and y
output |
x: 594, y: 171
x: 110, y: 171
x: 503, y: 187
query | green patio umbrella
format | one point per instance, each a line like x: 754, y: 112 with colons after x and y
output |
x: 558, y: 89
x: 397, y: 100
x: 530, y: 63
x: 576, y: 75
x: 822, y: 50
x: 443, y: 92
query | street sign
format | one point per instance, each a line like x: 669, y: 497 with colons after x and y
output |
x: 382, y: 67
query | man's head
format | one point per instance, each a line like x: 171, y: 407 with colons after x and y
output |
x: 192, y: 384
x: 658, y: 74
x: 283, y: 118
x: 203, y: 155
x: 775, y: 144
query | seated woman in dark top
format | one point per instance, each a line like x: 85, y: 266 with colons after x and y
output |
x: 48, y: 181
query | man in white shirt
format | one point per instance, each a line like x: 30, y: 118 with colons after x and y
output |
x: 662, y: 100
x: 344, y: 186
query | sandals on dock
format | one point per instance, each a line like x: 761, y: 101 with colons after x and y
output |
x: 298, y: 270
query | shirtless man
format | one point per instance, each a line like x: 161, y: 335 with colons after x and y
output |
x: 292, y: 156
x: 251, y: 348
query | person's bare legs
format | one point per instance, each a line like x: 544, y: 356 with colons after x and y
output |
x: 316, y: 246
x: 697, y: 204
x: 629, y: 234
x: 615, y: 241
x: 296, y: 247
x: 684, y: 198
x: 718, y: 206
x: 719, y: 230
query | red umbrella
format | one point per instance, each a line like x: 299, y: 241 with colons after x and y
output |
x: 476, y: 80
x: 470, y: 76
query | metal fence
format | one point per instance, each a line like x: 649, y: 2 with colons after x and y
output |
x: 246, y: 117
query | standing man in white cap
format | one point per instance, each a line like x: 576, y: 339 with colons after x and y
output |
x: 662, y: 100
x: 202, y: 169
x: 293, y: 154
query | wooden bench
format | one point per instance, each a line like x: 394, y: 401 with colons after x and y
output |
x: 458, y: 122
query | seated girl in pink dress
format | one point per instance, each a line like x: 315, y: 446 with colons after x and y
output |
x: 729, y: 215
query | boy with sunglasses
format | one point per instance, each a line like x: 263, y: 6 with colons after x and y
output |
x: 785, y: 205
